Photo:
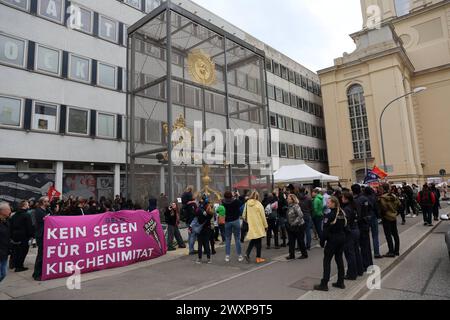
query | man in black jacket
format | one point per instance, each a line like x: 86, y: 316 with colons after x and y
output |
x: 21, y: 232
x: 364, y: 218
x: 40, y: 213
x: 306, y: 205
x: 5, y: 212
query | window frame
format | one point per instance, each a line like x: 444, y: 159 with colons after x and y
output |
x: 114, y: 125
x: 12, y: 5
x: 100, y: 16
x: 33, y: 115
x: 91, y: 31
x: 25, y: 51
x: 273, y: 115
x: 139, y: 2
x: 98, y: 75
x: 285, y: 148
x: 21, y: 120
x: 88, y: 127
x: 69, y: 73
x: 60, y: 54
x: 61, y: 21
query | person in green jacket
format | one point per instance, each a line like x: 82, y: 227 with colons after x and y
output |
x: 317, y: 216
x: 220, y: 211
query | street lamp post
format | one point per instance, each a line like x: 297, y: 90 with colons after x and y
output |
x: 415, y: 91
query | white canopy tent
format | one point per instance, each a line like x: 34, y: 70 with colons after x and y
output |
x: 301, y: 174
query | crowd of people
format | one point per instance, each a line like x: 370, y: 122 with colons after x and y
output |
x: 344, y: 221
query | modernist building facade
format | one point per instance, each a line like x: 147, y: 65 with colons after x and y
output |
x: 63, y: 99
x: 405, y: 47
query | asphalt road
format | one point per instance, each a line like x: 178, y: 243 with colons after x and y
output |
x: 183, y: 279
x: 423, y: 275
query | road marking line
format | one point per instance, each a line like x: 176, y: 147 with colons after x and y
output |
x: 222, y: 281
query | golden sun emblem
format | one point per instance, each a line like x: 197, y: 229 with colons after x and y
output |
x: 201, y: 68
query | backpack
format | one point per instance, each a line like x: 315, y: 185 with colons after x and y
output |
x: 270, y: 213
x: 425, y: 198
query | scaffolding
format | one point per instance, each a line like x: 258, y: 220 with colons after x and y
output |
x: 181, y: 70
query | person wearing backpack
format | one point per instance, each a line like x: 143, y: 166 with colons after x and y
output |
x: 389, y: 205
x: 221, y: 213
x: 295, y: 227
x: 426, y: 200
x: 204, y: 214
x: 271, y: 212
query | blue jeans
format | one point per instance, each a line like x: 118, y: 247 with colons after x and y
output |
x: 308, y: 229
x: 192, y: 239
x: 3, y: 269
x: 233, y: 228
x: 318, y: 225
x: 374, y: 230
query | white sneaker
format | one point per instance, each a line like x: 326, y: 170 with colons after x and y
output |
x: 227, y: 258
x: 209, y: 261
x: 414, y: 216
x: 198, y: 261
x: 409, y: 215
x: 241, y: 258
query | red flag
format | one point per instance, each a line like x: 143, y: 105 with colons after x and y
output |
x: 53, y: 193
x: 379, y: 172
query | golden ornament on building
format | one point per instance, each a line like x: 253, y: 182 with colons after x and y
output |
x: 201, y: 68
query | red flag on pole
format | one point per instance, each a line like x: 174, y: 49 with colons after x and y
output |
x: 379, y: 172
x: 53, y: 193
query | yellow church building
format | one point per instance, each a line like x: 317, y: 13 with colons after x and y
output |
x: 396, y: 84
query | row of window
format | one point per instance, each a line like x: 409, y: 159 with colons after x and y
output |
x: 27, y: 54
x: 292, y: 76
x: 53, y: 118
x: 291, y: 151
x: 76, y: 17
x: 297, y: 126
x: 143, y: 5
x: 294, y: 101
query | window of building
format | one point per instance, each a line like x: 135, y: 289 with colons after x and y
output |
x: 293, y: 100
x: 296, y: 126
x: 209, y: 101
x: 106, y: 125
x: 83, y: 19
x: 252, y: 84
x: 308, y: 129
x: 107, y: 29
x: 358, y: 122
x: 21, y: 4
x: 316, y: 154
x: 284, y: 72
x: 303, y: 79
x: 298, y: 152
x: 302, y: 128
x: 78, y: 121
x: 300, y: 103
x: 291, y: 76
x: 402, y: 7
x: 288, y: 124
x: 233, y: 106
x: 283, y: 150
x: 80, y: 68
x: 241, y: 80
x: 286, y: 98
x: 281, y: 123
x: 273, y: 120
x: 279, y: 95
x: 276, y: 69
x: 51, y: 9
x: 151, y: 5
x: 304, y: 153
x: 154, y: 132
x: 106, y: 75
x: 45, y: 117
x: 269, y: 65
x: 314, y: 131
x: 291, y: 152
x: 219, y: 103
x: 134, y: 3
x: 12, y: 51
x: 254, y: 115
x: 193, y: 97
x: 311, y: 154
x: 298, y: 80
x: 10, y: 111
x: 243, y: 115
x: 48, y: 60
x: 271, y: 92
x: 232, y: 77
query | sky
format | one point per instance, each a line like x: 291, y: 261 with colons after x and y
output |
x: 312, y: 32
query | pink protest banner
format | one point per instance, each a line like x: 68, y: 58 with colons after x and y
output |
x: 98, y: 242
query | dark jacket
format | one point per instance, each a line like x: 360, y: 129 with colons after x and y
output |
x: 40, y: 214
x: 351, y: 213
x: 282, y: 206
x: 4, y: 239
x: 78, y: 211
x: 389, y: 205
x: 232, y: 209
x: 336, y: 231
x: 170, y: 216
x: 306, y: 205
x: 364, y: 212
x: 204, y: 219
x: 21, y: 227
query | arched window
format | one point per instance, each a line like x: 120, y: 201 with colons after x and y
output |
x: 358, y: 122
